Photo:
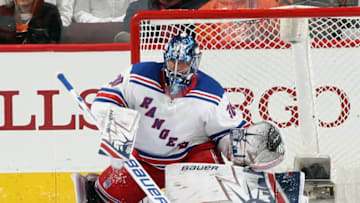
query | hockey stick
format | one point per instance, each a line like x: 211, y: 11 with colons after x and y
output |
x: 137, y: 172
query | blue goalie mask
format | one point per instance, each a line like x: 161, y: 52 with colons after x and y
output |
x: 182, y: 58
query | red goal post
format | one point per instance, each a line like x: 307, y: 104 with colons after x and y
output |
x: 138, y: 28
x: 306, y: 86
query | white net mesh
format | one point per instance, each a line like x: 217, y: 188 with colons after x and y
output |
x: 325, y: 32
x: 258, y: 70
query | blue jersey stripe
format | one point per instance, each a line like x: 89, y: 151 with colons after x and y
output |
x: 115, y: 92
x: 219, y: 134
x: 148, y: 86
x: 214, y: 136
x: 107, y: 101
x: 201, y: 98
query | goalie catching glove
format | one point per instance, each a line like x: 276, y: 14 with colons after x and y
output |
x: 259, y: 146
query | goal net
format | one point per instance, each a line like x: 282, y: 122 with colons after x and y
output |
x: 295, y: 67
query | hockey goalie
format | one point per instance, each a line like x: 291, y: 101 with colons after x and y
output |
x: 185, y: 117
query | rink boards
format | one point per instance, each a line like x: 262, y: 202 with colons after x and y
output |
x: 47, y: 138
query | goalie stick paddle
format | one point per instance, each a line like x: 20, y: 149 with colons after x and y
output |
x: 142, y: 178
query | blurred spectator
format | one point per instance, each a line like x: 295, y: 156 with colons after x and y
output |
x: 347, y: 3
x: 326, y: 3
x: 29, y: 21
x: 51, y: 1
x: 343, y: 2
x: 142, y: 5
x: 93, y: 11
x: 66, y: 9
x: 238, y: 4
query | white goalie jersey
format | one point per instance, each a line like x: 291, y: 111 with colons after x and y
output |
x: 169, y: 128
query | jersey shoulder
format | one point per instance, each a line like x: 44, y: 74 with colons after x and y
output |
x: 209, y: 85
x: 147, y: 75
x: 148, y: 70
x: 207, y: 89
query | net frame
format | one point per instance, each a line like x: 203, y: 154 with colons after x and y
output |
x: 230, y: 14
x: 345, y: 177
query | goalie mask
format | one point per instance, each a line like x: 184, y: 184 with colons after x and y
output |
x: 181, y: 62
